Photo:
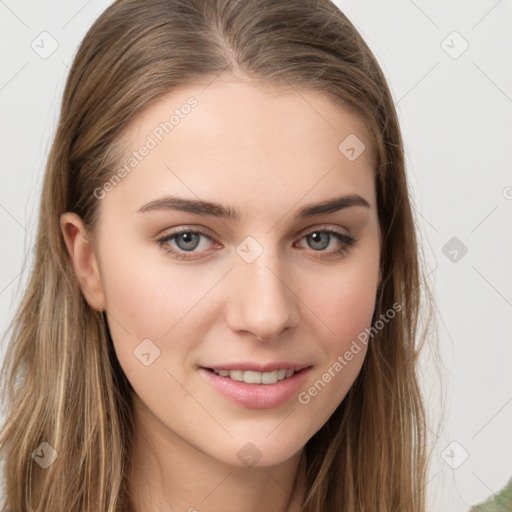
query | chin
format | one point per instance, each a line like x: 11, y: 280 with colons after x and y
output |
x: 256, y: 451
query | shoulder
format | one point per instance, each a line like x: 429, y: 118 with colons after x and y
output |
x: 501, y: 502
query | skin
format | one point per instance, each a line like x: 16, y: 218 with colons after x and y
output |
x: 266, y: 152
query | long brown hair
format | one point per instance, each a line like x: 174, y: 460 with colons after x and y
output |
x: 62, y: 383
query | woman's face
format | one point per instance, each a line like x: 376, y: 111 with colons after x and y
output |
x: 255, y: 285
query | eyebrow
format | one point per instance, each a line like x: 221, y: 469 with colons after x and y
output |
x: 209, y: 208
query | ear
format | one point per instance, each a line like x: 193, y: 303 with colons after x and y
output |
x: 83, y: 259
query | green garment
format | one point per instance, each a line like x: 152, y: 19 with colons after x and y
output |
x: 501, y: 502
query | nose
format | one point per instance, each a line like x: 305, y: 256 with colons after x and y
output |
x: 262, y: 300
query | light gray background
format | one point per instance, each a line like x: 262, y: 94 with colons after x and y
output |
x: 456, y: 113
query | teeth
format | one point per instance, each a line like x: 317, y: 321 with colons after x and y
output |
x: 269, y: 377
x: 237, y: 375
x: 251, y: 377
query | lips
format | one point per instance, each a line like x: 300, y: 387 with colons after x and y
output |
x: 257, y: 386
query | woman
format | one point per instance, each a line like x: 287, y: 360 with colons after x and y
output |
x: 223, y: 310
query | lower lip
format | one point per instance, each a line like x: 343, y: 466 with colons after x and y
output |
x: 257, y: 396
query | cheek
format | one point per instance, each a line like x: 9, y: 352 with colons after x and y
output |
x: 352, y: 310
x: 141, y: 304
x: 146, y: 296
x: 345, y: 311
x: 344, y: 302
x: 156, y: 301
x: 145, y: 308
x: 134, y: 299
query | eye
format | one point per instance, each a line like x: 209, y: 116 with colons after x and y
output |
x: 320, y: 239
x: 183, y: 242
x: 186, y: 240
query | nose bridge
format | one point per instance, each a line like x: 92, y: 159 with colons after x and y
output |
x: 262, y: 302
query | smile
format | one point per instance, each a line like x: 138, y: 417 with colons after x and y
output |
x: 257, y: 389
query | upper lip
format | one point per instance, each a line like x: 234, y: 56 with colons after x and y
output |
x: 255, y: 367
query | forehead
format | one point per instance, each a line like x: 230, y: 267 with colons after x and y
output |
x: 241, y: 141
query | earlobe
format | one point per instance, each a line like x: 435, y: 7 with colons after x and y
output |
x: 83, y: 259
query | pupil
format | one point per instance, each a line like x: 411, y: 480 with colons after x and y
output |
x: 317, y: 237
x: 188, y: 238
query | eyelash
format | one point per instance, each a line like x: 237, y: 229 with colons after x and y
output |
x: 346, y: 240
